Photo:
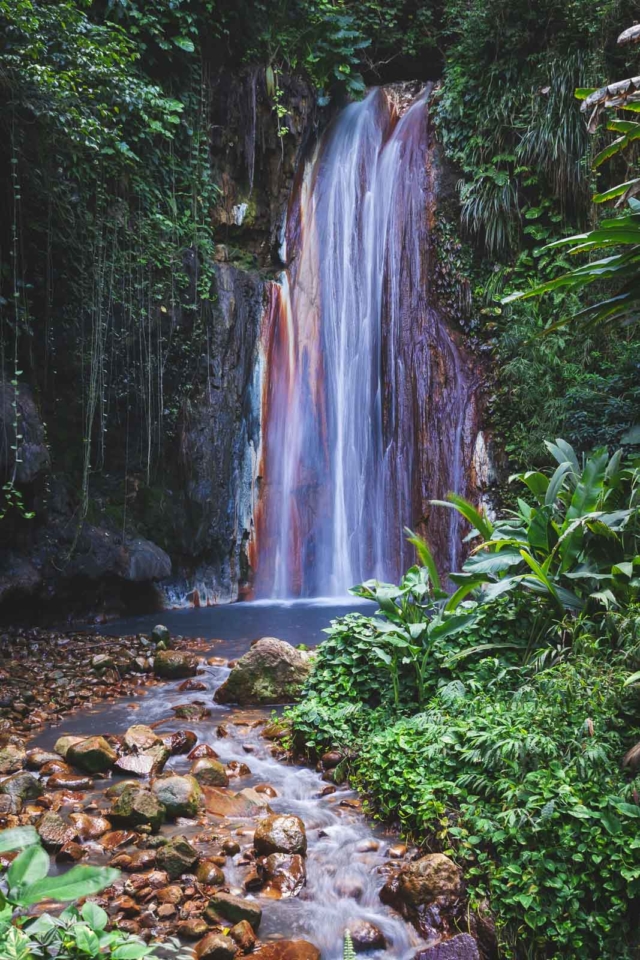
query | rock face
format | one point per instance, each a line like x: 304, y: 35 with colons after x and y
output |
x: 460, y: 947
x: 272, y: 671
x: 280, y: 834
x: 33, y: 460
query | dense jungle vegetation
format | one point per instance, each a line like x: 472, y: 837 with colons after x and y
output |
x: 492, y: 724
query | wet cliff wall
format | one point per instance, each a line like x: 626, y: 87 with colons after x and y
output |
x: 173, y: 473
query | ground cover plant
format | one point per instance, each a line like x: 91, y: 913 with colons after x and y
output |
x: 499, y: 739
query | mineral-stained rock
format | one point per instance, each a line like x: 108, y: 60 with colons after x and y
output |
x: 460, y: 947
x: 117, y: 838
x: 69, y: 781
x: 89, y: 828
x: 140, y: 737
x: 147, y: 762
x: 12, y: 758
x: 272, y: 671
x: 287, y: 950
x: 93, y: 755
x: 209, y: 772
x: 237, y: 769
x: 203, y: 750
x: 423, y: 881
x: 366, y: 936
x: 242, y: 934
x: 174, y: 665
x: 135, y: 807
x: 234, y: 909
x: 54, y: 831
x: 280, y: 833
x: 176, y: 857
x: 191, y: 711
x: 181, y: 796
x: 215, y: 946
x: 21, y: 786
x: 36, y: 758
x: 180, y: 742
x: 193, y: 928
x: 71, y: 852
x: 209, y: 873
x: 224, y: 804
x: 285, y: 874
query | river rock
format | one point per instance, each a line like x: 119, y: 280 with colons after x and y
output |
x: 146, y: 763
x: 56, y: 766
x: 215, y: 946
x: 209, y: 772
x: 287, y: 950
x: 90, y: 828
x: 140, y: 737
x: 136, y: 808
x: 460, y: 947
x: 237, y: 769
x: 280, y: 833
x: 21, y: 786
x: 117, y: 789
x: 181, y: 796
x: 203, y: 750
x: 174, y: 665
x: 420, y: 883
x: 63, y: 744
x: 209, y: 873
x: 366, y: 936
x: 191, y: 711
x: 221, y: 803
x: 176, y: 857
x: 12, y: 758
x: 242, y: 934
x: 272, y: 671
x: 36, y: 758
x: 285, y: 874
x: 54, y: 831
x: 161, y: 634
x: 70, y: 852
x: 193, y: 928
x: 69, y: 781
x: 234, y: 909
x: 182, y: 741
x: 93, y: 755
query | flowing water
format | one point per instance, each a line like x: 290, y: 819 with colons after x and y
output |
x: 368, y: 408
x: 343, y: 878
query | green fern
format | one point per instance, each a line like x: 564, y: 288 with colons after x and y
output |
x: 348, y: 953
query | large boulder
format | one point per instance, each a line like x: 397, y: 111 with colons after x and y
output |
x: 280, y: 833
x: 181, y: 796
x: 434, y: 877
x: 93, y: 755
x: 174, y: 665
x: 272, y: 671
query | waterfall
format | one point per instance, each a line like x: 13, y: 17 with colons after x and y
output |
x: 367, y: 401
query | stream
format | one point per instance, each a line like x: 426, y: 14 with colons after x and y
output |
x: 345, y: 851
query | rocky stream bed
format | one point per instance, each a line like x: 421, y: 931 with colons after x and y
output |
x: 124, y: 752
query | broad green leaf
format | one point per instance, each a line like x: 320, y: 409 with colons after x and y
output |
x: 80, y: 881
x: 95, y: 916
x: 469, y: 512
x: 86, y: 940
x: 184, y: 43
x: 16, y: 837
x: 32, y: 865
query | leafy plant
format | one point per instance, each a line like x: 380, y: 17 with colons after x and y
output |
x: 576, y: 545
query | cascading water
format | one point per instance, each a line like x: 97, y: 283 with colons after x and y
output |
x: 367, y: 404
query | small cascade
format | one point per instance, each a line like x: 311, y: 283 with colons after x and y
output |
x: 367, y: 402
